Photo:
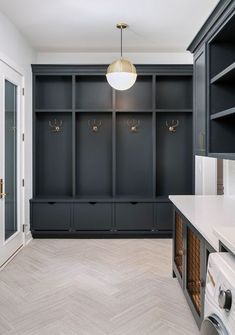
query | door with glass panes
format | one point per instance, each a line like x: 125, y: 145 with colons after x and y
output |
x: 11, y: 160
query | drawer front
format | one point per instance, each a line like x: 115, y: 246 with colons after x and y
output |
x: 164, y: 216
x: 92, y: 216
x: 134, y: 216
x: 51, y: 216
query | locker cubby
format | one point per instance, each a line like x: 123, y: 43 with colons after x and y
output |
x: 174, y: 92
x: 139, y: 96
x: 53, y: 155
x: 134, y: 155
x: 53, y: 92
x: 222, y: 97
x: 222, y: 134
x: 93, y: 92
x: 174, y: 154
x: 93, y: 154
x: 222, y: 48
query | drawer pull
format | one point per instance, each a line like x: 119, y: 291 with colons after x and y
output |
x: 134, y: 202
x: 92, y: 202
x: 51, y: 203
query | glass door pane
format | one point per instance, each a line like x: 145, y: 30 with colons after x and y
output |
x: 10, y: 159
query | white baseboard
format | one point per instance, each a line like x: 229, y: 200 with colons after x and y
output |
x: 28, y: 238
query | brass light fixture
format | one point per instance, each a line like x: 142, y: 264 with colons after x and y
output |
x: 121, y: 74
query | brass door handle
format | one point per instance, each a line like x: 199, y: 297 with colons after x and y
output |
x: 2, y: 193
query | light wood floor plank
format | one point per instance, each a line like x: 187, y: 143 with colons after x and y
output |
x: 93, y: 287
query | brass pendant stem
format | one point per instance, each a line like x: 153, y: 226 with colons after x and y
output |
x: 121, y: 26
x: 121, y: 42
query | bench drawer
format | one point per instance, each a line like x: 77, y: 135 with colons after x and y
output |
x: 134, y: 216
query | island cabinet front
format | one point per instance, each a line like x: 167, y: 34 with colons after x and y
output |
x: 190, y: 256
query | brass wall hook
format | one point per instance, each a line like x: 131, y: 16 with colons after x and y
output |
x: 56, y: 125
x: 172, y: 127
x: 133, y: 125
x: 94, y: 125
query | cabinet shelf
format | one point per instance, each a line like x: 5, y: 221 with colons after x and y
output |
x: 227, y: 112
x: 174, y: 110
x: 134, y: 110
x: 87, y: 199
x: 53, y: 110
x: 228, y: 74
x: 82, y: 110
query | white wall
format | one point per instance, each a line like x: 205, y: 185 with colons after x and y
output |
x: 16, y: 52
x: 106, y: 58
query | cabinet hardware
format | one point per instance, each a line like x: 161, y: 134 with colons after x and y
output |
x: 133, y: 125
x: 94, y: 125
x: 202, y: 282
x: 24, y: 228
x: 2, y: 193
x: 172, y: 127
x: 56, y: 125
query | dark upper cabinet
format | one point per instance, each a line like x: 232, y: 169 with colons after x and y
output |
x: 214, y: 81
x: 199, y: 88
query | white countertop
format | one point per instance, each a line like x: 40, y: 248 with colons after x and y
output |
x: 212, y: 216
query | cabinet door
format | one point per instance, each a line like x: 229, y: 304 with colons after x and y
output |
x: 51, y: 216
x: 93, y: 216
x: 200, y: 102
x: 163, y: 215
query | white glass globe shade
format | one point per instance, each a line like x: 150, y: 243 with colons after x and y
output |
x: 121, y: 80
x: 121, y: 74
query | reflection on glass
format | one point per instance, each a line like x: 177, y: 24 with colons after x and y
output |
x: 10, y: 159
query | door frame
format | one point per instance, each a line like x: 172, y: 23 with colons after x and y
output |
x: 20, y: 153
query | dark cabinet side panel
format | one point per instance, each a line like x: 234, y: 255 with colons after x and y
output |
x: 164, y: 216
x: 200, y: 102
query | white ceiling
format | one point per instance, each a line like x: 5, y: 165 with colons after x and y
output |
x: 89, y: 25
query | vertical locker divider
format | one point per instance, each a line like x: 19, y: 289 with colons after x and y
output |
x: 113, y: 156
x: 73, y: 149
x: 154, y: 147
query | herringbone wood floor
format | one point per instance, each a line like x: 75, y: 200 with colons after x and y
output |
x: 93, y: 287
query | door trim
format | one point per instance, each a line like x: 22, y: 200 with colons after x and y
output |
x: 19, y: 82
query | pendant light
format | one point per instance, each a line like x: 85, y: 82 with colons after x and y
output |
x: 121, y: 74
